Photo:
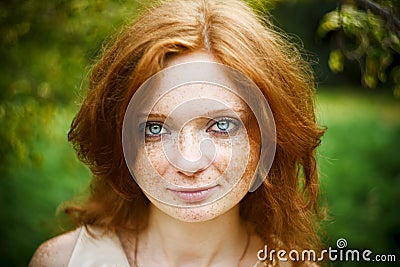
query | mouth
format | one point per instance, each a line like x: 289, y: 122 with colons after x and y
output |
x: 193, y: 195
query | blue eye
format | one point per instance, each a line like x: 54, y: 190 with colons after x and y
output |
x: 155, y: 129
x: 223, y: 126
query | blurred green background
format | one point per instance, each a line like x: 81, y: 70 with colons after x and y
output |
x: 47, y: 50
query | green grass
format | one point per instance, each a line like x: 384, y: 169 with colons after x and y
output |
x: 359, y: 163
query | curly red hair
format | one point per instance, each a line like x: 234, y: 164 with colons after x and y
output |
x: 282, y: 209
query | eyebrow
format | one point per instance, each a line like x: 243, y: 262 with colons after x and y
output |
x: 207, y: 114
x: 227, y: 111
x: 159, y: 116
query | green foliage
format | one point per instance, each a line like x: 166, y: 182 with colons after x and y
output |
x: 40, y: 173
x: 371, y: 40
x: 360, y: 172
x: 262, y: 6
x: 46, y: 49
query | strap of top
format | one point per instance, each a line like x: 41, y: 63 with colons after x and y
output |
x: 101, y: 250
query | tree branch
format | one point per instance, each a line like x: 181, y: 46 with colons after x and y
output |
x: 378, y: 10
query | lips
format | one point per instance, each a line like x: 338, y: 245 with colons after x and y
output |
x: 193, y: 195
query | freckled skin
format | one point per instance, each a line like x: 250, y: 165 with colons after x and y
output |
x: 235, y: 158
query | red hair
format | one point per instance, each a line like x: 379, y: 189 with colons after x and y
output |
x: 283, y: 208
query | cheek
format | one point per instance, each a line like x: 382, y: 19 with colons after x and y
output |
x: 223, y: 156
x: 254, y: 139
x: 155, y: 155
x: 150, y: 162
x: 231, y: 160
x: 254, y: 156
x: 234, y: 157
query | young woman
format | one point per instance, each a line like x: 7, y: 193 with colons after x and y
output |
x: 199, y: 129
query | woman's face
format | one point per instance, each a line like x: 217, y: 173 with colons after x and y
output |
x: 200, y: 147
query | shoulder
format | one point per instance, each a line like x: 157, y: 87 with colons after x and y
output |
x: 56, y: 251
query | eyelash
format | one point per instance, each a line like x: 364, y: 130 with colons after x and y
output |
x: 223, y: 132
x: 145, y: 127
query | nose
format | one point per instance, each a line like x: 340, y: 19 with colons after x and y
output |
x: 189, y: 144
x: 191, y: 154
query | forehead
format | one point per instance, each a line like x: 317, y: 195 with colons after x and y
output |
x: 195, y: 82
x: 198, y: 99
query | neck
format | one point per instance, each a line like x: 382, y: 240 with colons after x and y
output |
x: 181, y: 243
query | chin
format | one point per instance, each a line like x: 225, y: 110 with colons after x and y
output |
x: 192, y: 214
x: 198, y: 214
x: 203, y: 213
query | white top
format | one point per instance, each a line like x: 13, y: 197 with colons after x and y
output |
x: 102, y: 250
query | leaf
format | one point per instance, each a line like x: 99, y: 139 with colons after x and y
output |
x: 336, y: 61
